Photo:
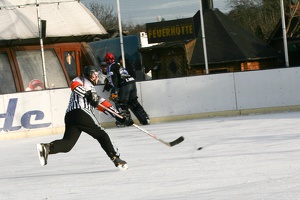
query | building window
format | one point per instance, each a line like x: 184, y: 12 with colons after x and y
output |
x: 70, y: 63
x: 247, y: 66
x: 30, y: 63
x: 7, y: 84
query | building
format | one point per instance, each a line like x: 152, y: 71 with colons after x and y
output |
x: 229, y: 48
x: 48, y: 54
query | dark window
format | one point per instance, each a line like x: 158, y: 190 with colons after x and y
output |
x: 31, y: 68
x: 7, y: 84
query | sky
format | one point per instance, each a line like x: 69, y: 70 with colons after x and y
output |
x: 142, y: 11
x: 251, y: 157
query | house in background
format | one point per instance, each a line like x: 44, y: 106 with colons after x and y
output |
x: 229, y: 47
x: 69, y: 26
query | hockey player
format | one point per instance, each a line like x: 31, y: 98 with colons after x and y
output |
x: 80, y: 117
x: 123, y: 89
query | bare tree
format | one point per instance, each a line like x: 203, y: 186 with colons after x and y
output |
x: 261, y: 16
x: 257, y: 16
x: 109, y: 19
x: 293, y: 26
x: 132, y: 28
x: 105, y: 14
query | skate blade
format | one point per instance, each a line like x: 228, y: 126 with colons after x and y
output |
x: 40, y: 150
x: 123, y: 167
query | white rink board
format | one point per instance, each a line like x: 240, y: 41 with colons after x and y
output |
x: 269, y: 88
x: 25, y: 111
x: 181, y: 96
x: 43, y: 111
x: 59, y: 99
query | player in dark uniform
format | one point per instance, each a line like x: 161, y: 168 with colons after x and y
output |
x: 123, y: 89
x: 80, y: 117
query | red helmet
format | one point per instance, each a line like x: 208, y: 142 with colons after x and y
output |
x: 109, y: 57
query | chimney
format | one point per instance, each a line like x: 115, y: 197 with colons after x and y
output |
x: 207, y: 4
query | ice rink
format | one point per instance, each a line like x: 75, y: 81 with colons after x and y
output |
x: 251, y: 157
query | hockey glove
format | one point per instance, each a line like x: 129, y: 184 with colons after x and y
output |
x: 114, y: 97
x: 107, y: 85
x: 126, y: 120
x: 92, y: 98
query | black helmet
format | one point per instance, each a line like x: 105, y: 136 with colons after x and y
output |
x: 89, y: 70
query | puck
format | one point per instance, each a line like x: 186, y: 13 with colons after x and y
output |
x: 199, y: 148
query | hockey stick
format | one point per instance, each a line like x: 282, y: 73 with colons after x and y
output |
x: 170, y: 144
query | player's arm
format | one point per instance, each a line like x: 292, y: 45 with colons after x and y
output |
x: 91, y: 97
x: 107, y: 105
x: 109, y: 110
x: 77, y: 87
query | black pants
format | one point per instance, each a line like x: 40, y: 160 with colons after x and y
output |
x: 127, y: 93
x: 77, y: 121
x: 128, y: 100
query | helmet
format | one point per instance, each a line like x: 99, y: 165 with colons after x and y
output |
x: 103, y: 64
x: 109, y: 57
x: 89, y: 70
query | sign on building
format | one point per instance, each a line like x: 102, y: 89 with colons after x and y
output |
x: 169, y: 31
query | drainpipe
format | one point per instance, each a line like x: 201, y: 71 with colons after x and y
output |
x: 203, y: 38
x: 121, y: 35
x: 284, y: 34
x: 42, y: 45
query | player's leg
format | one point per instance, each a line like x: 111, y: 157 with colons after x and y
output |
x: 137, y: 109
x: 94, y: 129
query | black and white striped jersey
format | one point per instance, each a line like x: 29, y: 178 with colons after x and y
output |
x: 79, y: 87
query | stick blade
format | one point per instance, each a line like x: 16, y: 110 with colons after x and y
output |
x: 177, y: 141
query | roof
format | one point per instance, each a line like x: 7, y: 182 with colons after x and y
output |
x: 18, y: 19
x: 227, y: 42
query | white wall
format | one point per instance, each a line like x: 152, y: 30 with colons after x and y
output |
x: 189, y: 95
x: 270, y: 88
x: 42, y: 112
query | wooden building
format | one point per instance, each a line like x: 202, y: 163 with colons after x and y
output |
x: 229, y: 47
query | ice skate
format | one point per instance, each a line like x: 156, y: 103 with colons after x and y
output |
x: 121, y: 164
x: 145, y: 121
x: 119, y: 125
x: 43, y: 151
x: 148, y: 121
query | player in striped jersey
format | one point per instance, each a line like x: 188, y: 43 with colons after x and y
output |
x: 80, y: 117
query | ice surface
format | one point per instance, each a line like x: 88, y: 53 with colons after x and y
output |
x: 243, y: 157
